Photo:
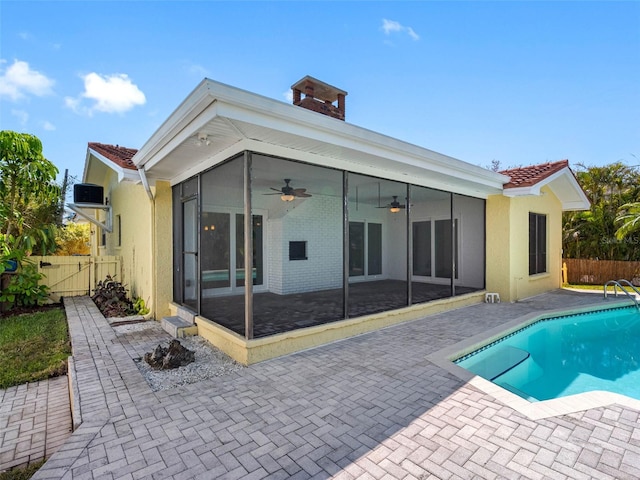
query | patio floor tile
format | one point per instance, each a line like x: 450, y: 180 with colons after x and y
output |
x: 371, y: 406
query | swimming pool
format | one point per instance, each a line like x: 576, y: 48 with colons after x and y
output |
x: 565, y: 355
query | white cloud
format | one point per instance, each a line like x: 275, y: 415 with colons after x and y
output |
x: 72, y: 103
x: 391, y: 26
x: 412, y: 34
x: 198, y: 70
x: 18, y: 81
x: 288, y: 95
x: 109, y: 93
x: 48, y: 126
x: 21, y: 115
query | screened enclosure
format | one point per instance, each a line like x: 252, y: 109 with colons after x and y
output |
x: 264, y: 245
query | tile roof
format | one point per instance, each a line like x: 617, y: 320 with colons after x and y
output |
x: 119, y: 155
x: 528, y: 176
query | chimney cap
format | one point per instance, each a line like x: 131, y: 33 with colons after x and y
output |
x: 321, y: 90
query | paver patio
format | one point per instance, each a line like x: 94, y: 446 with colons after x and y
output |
x: 35, y: 420
x: 368, y: 407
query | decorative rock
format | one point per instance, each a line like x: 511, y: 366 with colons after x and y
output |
x: 172, y: 357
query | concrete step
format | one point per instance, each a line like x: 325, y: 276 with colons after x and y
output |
x: 186, y: 314
x: 178, y: 327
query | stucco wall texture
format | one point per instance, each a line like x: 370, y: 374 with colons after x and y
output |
x: 142, y: 237
x: 508, y: 231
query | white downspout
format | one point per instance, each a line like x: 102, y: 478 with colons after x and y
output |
x: 145, y: 182
x: 154, y: 284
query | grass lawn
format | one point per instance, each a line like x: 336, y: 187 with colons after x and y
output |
x: 33, y: 346
x: 599, y: 288
x: 21, y: 473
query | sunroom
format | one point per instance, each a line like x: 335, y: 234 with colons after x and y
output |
x: 285, y: 218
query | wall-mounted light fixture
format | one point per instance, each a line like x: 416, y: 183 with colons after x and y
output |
x: 203, y: 139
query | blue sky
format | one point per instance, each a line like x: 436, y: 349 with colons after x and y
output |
x: 516, y: 82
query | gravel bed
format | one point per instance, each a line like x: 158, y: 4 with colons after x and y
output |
x: 133, y: 327
x: 209, y: 363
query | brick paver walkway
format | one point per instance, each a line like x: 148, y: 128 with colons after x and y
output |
x: 368, y: 407
x: 35, y: 420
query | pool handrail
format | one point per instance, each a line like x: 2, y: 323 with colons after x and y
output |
x: 618, y: 283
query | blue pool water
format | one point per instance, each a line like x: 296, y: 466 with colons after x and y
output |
x: 565, y: 355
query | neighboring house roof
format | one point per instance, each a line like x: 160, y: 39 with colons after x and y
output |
x: 557, y: 175
x: 113, y: 157
x: 216, y: 122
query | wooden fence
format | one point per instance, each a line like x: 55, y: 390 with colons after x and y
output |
x: 77, y: 275
x: 598, y: 272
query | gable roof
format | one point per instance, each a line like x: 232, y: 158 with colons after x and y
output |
x: 558, y: 176
x: 103, y: 157
x: 121, y: 156
x: 532, y: 174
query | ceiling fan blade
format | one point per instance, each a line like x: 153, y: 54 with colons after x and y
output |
x: 288, y: 190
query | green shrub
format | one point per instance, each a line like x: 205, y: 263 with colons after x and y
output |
x: 139, y: 307
x: 24, y: 289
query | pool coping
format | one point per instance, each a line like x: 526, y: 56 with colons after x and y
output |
x: 534, y: 410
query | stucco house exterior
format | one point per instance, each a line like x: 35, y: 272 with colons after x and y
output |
x: 342, y: 229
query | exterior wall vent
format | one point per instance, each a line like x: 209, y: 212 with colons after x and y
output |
x: 88, y: 193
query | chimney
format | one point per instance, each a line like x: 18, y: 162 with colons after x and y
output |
x: 319, y: 97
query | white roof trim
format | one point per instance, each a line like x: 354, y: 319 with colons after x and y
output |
x: 212, y: 99
x: 85, y: 172
x: 574, y: 199
x: 197, y: 101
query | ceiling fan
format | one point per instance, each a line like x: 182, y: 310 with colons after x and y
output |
x: 288, y: 193
x: 394, y: 206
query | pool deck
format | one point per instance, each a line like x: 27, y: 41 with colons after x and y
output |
x: 540, y: 409
x: 369, y: 407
